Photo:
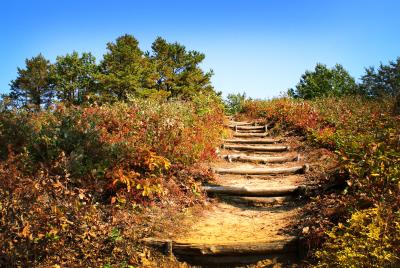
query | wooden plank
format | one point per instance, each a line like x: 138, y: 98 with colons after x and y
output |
x: 257, y: 200
x: 262, y: 171
x: 289, y: 244
x: 271, y: 148
x: 233, y: 124
x: 253, y: 141
x: 241, y: 127
x: 261, y: 159
x: 252, y: 191
x: 249, y: 135
x: 251, y: 131
x: 285, y: 259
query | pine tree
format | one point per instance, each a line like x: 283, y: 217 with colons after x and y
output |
x: 178, y: 71
x: 385, y: 81
x: 124, y: 69
x: 32, y: 88
x: 74, y: 77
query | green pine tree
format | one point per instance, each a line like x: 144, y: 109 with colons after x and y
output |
x: 74, y: 77
x: 32, y: 88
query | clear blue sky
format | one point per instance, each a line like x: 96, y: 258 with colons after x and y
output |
x: 260, y: 47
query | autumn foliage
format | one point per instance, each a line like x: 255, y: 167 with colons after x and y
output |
x: 365, y: 135
x: 74, y: 181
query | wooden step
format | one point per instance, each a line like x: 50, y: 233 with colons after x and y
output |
x: 261, y: 159
x: 233, y: 124
x: 249, y: 135
x: 253, y: 141
x: 251, y: 131
x: 253, y: 191
x: 270, y: 148
x: 254, y: 200
x: 243, y: 260
x: 289, y: 244
x: 240, y: 127
x: 263, y: 171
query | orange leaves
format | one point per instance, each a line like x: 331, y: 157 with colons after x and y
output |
x: 120, y: 176
x: 26, y: 233
x: 140, y: 175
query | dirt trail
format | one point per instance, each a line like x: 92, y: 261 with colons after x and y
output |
x: 250, y: 218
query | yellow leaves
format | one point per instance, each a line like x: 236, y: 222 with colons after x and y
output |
x: 365, y: 240
x: 150, y: 189
x: 141, y: 175
x: 127, y: 178
x: 155, y: 162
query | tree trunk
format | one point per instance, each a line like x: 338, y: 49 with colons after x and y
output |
x: 396, y: 106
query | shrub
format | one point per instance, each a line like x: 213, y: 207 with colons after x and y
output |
x: 235, y: 102
x: 77, y: 175
x: 366, y: 240
x: 365, y: 135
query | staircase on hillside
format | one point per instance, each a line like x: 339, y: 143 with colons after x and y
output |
x: 258, y: 179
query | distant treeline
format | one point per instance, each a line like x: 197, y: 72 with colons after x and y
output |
x: 327, y: 82
x: 168, y: 71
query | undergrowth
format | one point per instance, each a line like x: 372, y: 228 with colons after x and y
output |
x: 366, y: 137
x: 79, y: 186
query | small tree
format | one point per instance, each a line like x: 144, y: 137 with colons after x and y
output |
x: 234, y: 103
x: 124, y: 70
x: 323, y: 82
x: 385, y: 81
x: 74, y: 77
x: 32, y: 88
x: 177, y: 70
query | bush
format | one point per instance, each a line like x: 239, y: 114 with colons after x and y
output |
x: 366, y: 240
x: 73, y: 179
x: 235, y: 102
x: 365, y: 135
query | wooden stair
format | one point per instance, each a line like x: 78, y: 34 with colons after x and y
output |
x: 210, y: 247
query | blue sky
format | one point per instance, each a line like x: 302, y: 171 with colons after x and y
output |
x: 260, y: 47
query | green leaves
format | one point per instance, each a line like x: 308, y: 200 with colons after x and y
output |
x: 32, y: 88
x: 168, y: 71
x: 73, y: 77
x: 324, y: 82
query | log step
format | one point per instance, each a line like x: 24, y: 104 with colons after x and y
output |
x: 253, y: 141
x: 249, y: 135
x: 260, y: 159
x: 251, y: 131
x: 253, y: 191
x: 233, y: 124
x: 242, y: 260
x: 284, y: 245
x: 240, y: 127
x: 271, y: 148
x: 263, y: 171
x: 251, y: 200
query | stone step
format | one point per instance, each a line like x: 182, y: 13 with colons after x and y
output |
x: 261, y: 159
x: 270, y: 148
x: 264, y: 171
